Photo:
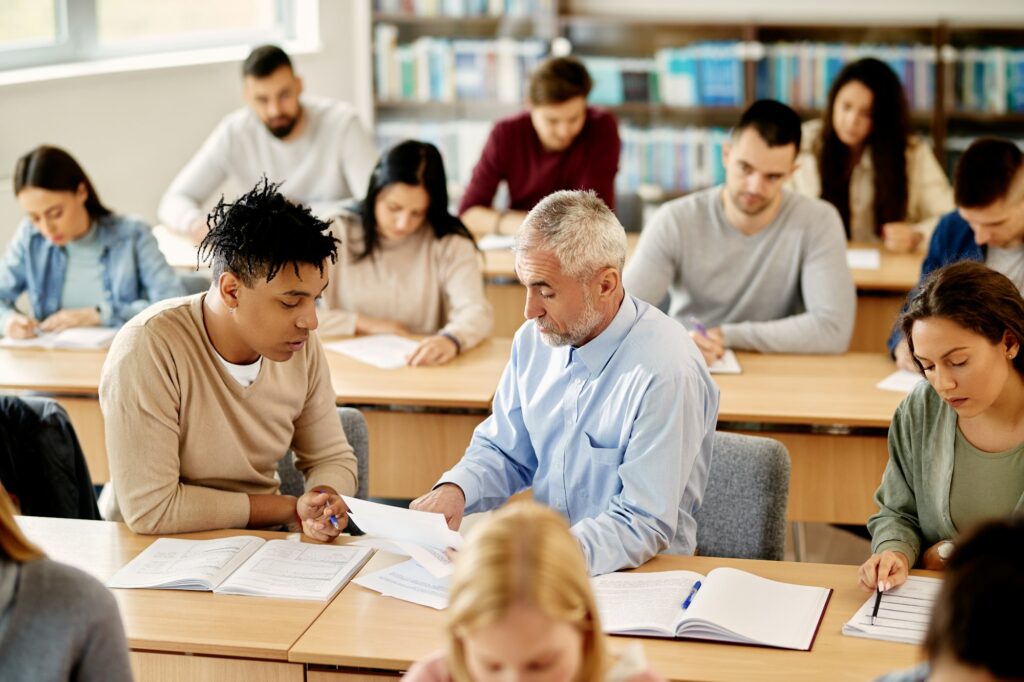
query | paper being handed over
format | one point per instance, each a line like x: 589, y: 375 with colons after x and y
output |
x: 424, y: 536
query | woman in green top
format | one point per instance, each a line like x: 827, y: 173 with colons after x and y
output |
x: 956, y: 443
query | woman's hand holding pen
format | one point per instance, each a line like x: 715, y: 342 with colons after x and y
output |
x: 19, y: 326
x: 710, y: 342
x: 886, y: 570
x: 323, y: 514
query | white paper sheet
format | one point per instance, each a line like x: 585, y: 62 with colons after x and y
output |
x: 900, y: 381
x: 422, y: 535
x: 727, y: 364
x: 903, y: 615
x: 495, y: 242
x: 387, y: 351
x: 409, y: 582
x: 76, y: 338
x: 863, y: 259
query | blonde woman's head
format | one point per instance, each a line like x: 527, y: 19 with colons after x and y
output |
x: 520, y: 606
x: 13, y: 543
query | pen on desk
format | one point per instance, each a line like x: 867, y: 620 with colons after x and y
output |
x: 699, y: 327
x: 693, y: 593
x: 878, y: 602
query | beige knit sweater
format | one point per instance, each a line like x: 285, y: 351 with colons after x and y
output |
x: 427, y: 284
x: 187, y: 443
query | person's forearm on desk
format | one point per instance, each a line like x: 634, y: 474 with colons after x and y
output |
x: 483, y: 220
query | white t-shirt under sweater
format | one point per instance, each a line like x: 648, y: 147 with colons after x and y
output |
x: 330, y: 161
x: 1009, y: 261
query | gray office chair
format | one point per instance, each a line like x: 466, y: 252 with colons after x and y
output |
x: 352, y: 420
x: 743, y: 515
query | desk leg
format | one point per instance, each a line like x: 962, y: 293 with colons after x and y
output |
x: 156, y: 667
x: 832, y: 478
x: 88, y: 422
x: 410, y: 450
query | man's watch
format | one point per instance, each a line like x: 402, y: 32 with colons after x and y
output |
x: 945, y: 550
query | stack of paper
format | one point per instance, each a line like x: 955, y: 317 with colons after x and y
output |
x: 423, y: 536
x: 863, y: 259
x: 387, y: 351
x: 76, y: 338
x: 903, y: 615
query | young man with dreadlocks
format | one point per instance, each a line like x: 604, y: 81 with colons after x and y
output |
x: 202, y: 395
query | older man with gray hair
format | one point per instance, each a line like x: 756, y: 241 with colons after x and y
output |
x: 606, y: 408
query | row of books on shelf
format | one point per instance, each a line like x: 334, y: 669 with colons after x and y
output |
x: 988, y: 80
x: 440, y: 70
x: 462, y: 8
x: 674, y: 159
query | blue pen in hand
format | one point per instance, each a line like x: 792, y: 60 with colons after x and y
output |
x: 699, y: 327
x: 333, y: 519
x: 693, y: 593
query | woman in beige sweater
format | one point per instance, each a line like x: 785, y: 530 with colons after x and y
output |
x: 407, y: 265
x: 861, y: 157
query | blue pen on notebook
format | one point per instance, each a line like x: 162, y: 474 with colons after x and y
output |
x: 693, y: 593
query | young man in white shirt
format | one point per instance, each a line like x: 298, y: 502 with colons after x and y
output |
x: 315, y: 148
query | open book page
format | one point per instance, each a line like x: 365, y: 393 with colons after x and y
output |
x: 387, y: 351
x: 903, y: 614
x: 409, y: 582
x: 863, y: 259
x: 736, y: 606
x: 76, y: 338
x: 642, y: 603
x: 727, y: 364
x: 422, y: 535
x: 296, y: 570
x: 900, y: 381
x: 186, y: 564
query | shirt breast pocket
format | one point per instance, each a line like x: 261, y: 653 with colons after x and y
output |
x: 603, y: 456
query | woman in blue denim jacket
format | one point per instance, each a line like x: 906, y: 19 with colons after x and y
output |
x: 81, y: 265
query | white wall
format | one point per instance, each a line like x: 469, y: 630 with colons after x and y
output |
x: 133, y: 131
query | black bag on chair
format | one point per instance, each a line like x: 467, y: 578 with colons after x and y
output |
x: 41, y: 462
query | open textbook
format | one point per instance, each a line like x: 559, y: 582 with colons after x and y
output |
x: 76, y: 338
x: 245, y: 565
x: 727, y: 605
x: 387, y: 351
x: 424, y: 536
x: 903, y: 614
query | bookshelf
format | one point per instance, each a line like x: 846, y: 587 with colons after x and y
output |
x: 643, y: 67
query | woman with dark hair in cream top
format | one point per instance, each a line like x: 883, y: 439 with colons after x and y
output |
x: 408, y: 266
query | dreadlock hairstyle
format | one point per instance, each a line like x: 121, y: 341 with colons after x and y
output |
x: 261, y: 232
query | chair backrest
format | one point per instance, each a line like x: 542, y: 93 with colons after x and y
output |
x: 352, y: 420
x: 41, y: 461
x: 743, y: 514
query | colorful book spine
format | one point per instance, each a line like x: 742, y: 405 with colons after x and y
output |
x: 987, y: 80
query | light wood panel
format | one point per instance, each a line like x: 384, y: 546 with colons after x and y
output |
x: 389, y: 635
x: 876, y: 315
x: 51, y: 371
x: 176, y: 621
x: 334, y: 676
x: 153, y: 667
x: 87, y: 418
x: 410, y: 450
x: 508, y: 300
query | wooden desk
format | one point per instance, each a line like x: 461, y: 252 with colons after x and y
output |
x: 830, y: 416
x: 222, y: 636
x: 72, y: 377
x: 420, y: 419
x: 880, y: 296
x: 178, y: 249
x: 387, y: 635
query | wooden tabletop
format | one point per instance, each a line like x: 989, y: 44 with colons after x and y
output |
x: 51, y: 371
x: 176, y: 620
x: 389, y: 634
x: 467, y: 382
x: 897, y: 273
x: 809, y: 389
x: 178, y: 249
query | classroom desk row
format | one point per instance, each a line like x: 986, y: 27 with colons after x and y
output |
x: 363, y: 636
x: 880, y: 292
x: 825, y: 409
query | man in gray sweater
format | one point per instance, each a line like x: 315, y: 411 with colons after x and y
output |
x: 749, y: 265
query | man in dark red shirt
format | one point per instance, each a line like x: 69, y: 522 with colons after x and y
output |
x: 557, y: 143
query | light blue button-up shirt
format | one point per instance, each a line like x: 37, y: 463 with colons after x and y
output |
x: 615, y: 435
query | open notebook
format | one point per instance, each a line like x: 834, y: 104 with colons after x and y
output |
x: 903, y: 614
x: 729, y: 606
x: 244, y: 565
x: 76, y: 338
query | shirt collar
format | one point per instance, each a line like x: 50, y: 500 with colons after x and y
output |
x: 598, y: 351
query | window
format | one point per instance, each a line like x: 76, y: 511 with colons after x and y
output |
x: 43, y: 32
